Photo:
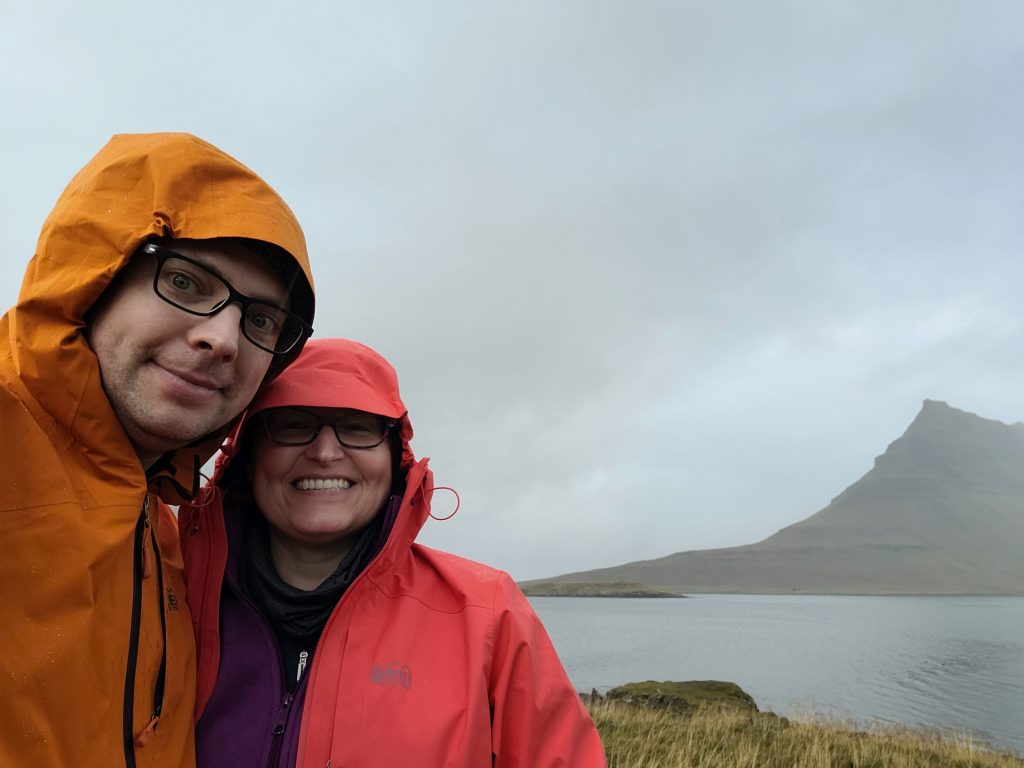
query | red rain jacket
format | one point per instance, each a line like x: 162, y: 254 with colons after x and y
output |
x: 429, y: 660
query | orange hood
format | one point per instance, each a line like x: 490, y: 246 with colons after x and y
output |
x: 137, y: 187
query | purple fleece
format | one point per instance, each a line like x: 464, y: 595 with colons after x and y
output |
x: 233, y: 736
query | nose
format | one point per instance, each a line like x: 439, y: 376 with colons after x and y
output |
x: 325, y: 447
x: 220, y: 333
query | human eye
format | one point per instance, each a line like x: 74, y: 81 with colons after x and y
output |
x: 181, y: 281
x: 360, y: 429
x: 293, y: 421
x: 265, y: 321
x: 291, y: 425
x: 185, y: 284
x: 358, y: 422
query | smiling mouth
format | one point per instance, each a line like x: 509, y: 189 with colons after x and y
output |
x: 321, y: 484
x: 192, y: 379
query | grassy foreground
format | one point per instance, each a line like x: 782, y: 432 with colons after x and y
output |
x: 712, y: 737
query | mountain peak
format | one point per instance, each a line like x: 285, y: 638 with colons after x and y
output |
x: 948, y: 444
x: 941, y: 512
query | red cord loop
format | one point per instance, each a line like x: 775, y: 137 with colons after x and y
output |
x: 458, y: 502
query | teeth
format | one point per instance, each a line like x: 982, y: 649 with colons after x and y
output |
x: 320, y: 484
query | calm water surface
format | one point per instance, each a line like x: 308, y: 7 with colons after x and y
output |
x: 949, y: 662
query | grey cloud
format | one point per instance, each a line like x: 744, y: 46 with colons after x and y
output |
x: 655, y: 276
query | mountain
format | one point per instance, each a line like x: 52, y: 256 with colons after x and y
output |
x: 941, y: 512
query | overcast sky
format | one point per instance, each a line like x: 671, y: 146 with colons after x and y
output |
x: 656, y: 276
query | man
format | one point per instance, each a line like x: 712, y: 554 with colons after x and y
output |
x: 169, y: 282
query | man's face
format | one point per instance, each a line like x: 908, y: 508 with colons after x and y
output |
x: 172, y: 377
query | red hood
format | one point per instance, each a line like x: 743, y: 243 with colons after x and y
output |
x: 331, y: 373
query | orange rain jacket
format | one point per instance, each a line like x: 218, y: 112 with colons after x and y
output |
x: 428, y: 659
x: 90, y: 573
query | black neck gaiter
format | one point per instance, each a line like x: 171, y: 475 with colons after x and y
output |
x: 294, y: 612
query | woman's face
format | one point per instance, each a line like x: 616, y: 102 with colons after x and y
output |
x: 353, y: 485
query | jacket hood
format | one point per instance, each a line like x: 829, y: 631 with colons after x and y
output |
x: 331, y: 373
x: 138, y: 187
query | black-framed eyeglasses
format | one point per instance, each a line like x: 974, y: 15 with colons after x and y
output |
x: 194, y: 288
x: 354, y: 429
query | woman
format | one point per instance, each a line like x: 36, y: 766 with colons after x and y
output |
x: 326, y: 636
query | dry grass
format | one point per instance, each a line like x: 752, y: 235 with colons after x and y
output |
x: 728, y: 738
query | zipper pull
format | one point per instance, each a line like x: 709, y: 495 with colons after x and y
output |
x: 282, y: 715
x: 303, y: 658
x: 147, y: 733
x: 147, y: 562
x: 147, y: 558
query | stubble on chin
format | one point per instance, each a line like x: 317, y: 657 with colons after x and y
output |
x: 155, y: 425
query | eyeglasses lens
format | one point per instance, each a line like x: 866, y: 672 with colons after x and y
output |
x: 355, y: 429
x: 189, y: 286
x: 270, y: 327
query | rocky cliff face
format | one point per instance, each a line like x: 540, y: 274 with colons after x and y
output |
x: 941, y: 512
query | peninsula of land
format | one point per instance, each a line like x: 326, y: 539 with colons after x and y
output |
x: 587, y: 589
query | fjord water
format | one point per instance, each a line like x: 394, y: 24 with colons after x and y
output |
x: 948, y: 662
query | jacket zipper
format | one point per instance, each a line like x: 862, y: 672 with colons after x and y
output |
x: 127, y: 725
x: 278, y: 731
x: 281, y: 721
x: 161, y: 675
x: 142, y: 528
